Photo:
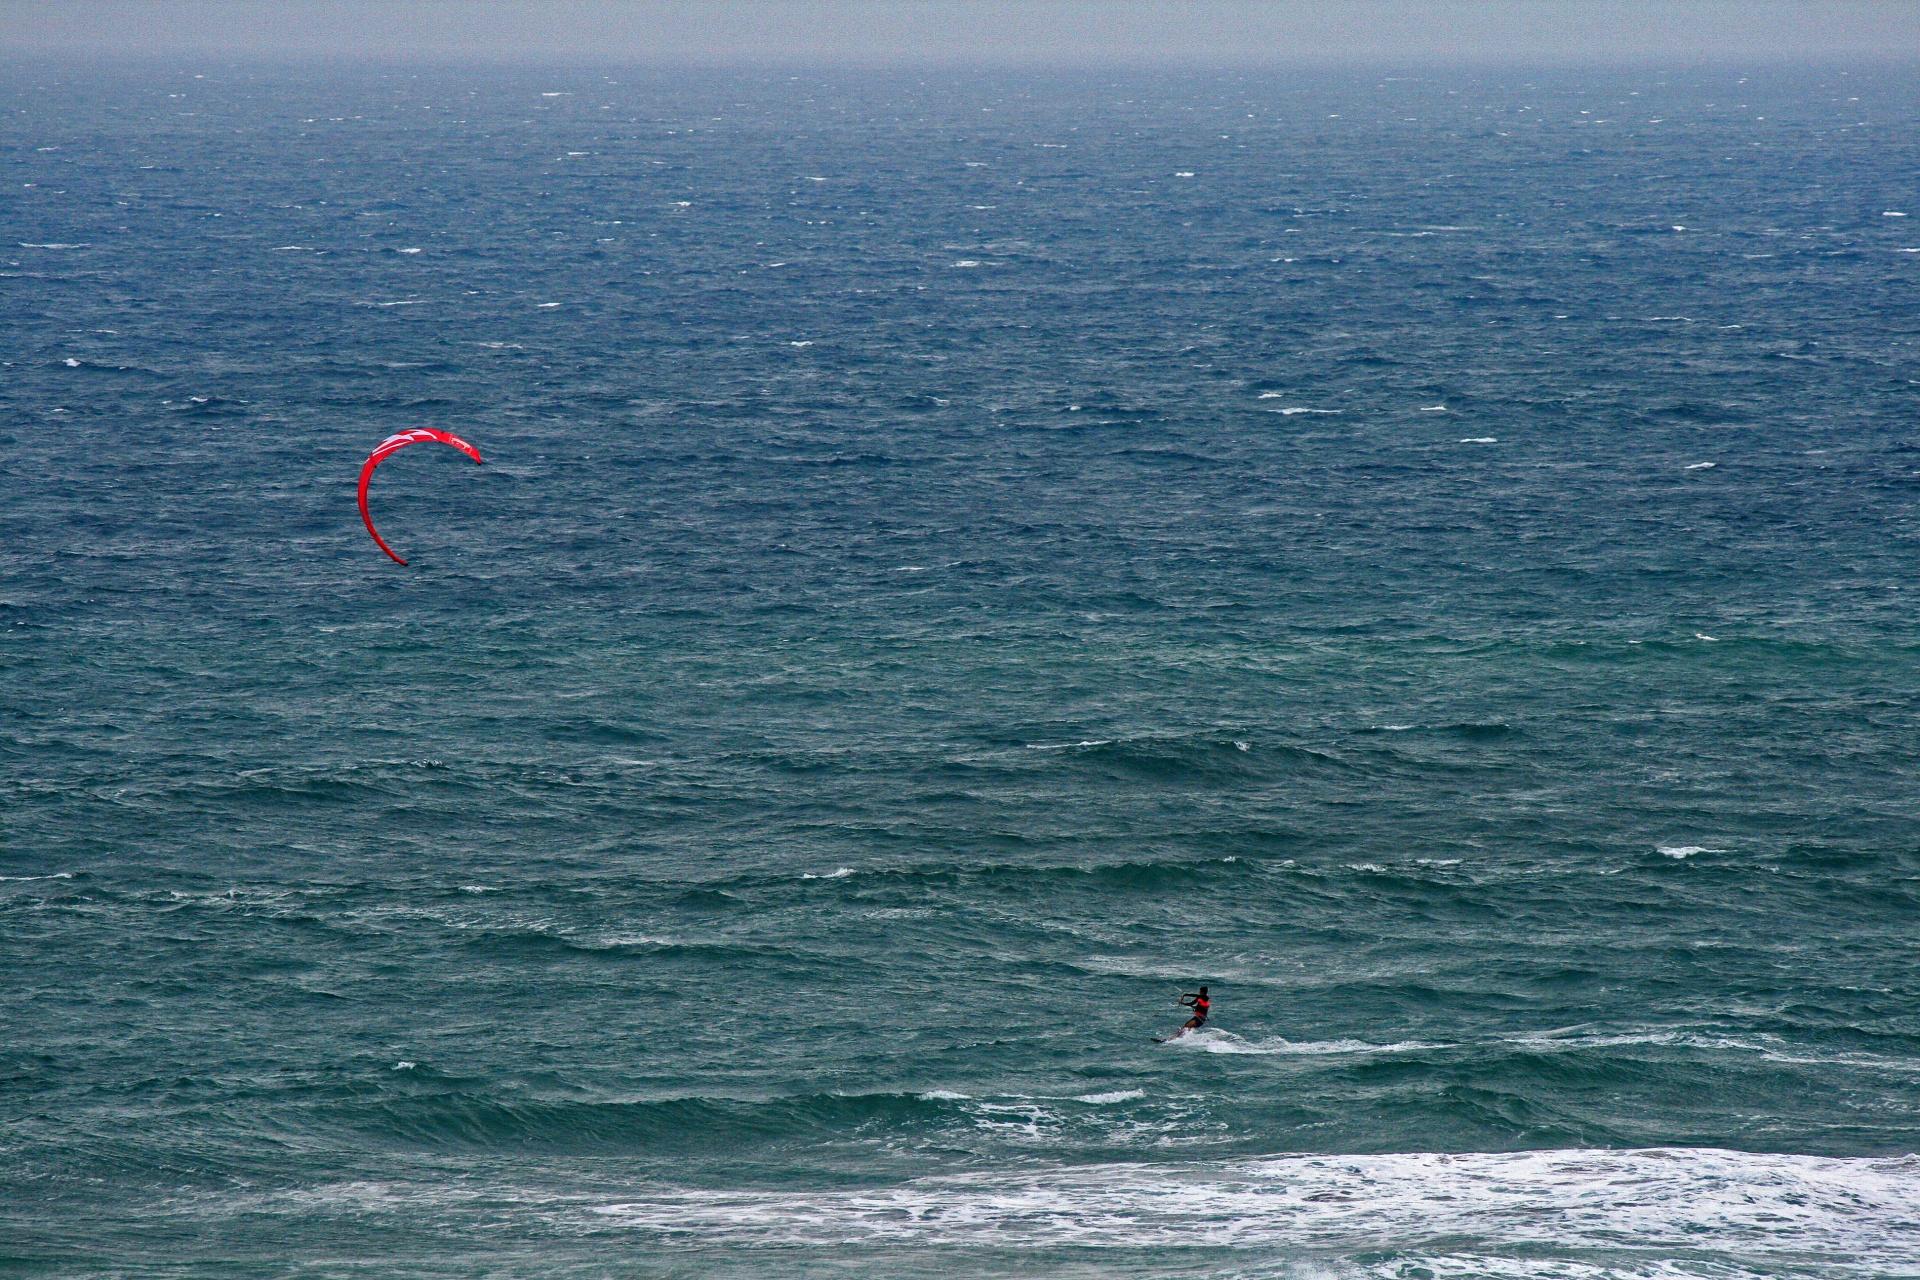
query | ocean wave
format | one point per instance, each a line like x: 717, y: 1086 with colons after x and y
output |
x: 102, y: 366
x: 1679, y: 852
x: 1148, y: 873
x: 1196, y: 758
x: 424, y: 1108
x: 206, y: 407
x: 1537, y: 1212
x: 463, y: 1118
x: 1472, y: 730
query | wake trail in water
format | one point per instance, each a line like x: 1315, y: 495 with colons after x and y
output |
x: 1216, y: 1040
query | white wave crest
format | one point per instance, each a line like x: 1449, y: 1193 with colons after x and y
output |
x: 1677, y: 1212
x: 1215, y: 1040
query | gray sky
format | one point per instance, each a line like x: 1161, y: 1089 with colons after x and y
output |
x: 1021, y: 32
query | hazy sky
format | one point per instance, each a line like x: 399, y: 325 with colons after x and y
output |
x: 991, y: 31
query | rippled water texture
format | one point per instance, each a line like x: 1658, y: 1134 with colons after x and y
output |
x: 959, y: 561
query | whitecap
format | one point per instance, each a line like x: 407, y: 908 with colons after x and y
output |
x: 1619, y: 1039
x: 838, y: 873
x: 1433, y: 408
x: 1676, y: 1212
x: 1068, y: 746
x: 1118, y: 1095
x: 942, y: 1095
x: 1677, y: 851
x: 1480, y: 440
x: 1697, y: 466
x: 1290, y: 412
x: 1216, y: 1040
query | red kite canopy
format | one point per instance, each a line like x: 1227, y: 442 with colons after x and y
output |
x: 386, y: 449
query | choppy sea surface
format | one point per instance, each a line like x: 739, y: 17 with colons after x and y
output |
x: 961, y: 558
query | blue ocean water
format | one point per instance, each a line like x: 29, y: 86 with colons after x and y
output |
x: 961, y: 559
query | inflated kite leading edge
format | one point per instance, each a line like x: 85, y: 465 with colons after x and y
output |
x: 390, y: 446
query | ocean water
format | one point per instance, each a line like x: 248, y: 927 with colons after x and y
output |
x: 961, y: 558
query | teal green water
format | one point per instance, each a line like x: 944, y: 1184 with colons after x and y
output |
x: 959, y: 561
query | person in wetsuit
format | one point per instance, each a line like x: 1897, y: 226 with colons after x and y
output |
x: 1198, y: 1002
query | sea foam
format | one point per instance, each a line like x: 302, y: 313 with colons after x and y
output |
x: 1578, y: 1212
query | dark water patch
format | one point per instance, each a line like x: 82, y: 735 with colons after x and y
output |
x: 709, y: 900
x: 594, y: 730
x: 1195, y: 760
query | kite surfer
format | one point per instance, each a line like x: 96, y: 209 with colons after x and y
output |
x: 1196, y: 1001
